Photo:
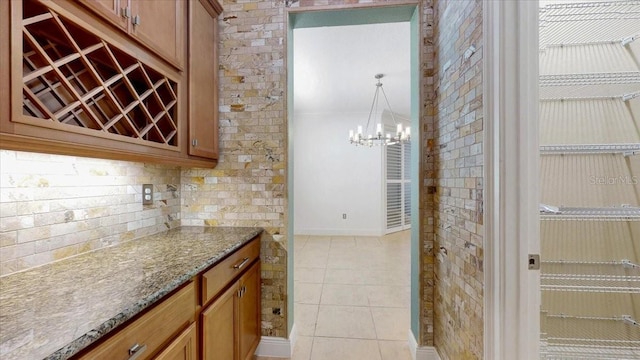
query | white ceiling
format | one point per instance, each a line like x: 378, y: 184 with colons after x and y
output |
x: 334, y: 67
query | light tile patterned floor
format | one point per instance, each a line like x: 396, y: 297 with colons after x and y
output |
x: 352, y: 297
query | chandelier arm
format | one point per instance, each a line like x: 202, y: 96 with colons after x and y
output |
x: 389, y: 106
x: 373, y: 104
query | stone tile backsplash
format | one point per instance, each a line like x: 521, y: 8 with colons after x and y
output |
x: 53, y: 207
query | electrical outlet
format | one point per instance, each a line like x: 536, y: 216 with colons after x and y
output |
x: 147, y: 194
x: 344, y: 216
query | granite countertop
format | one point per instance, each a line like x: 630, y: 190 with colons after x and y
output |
x: 56, y: 310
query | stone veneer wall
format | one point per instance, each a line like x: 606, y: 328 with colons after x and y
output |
x: 428, y: 175
x: 248, y: 187
x: 53, y: 207
x: 457, y: 149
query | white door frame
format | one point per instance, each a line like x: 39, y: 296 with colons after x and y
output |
x: 512, y: 292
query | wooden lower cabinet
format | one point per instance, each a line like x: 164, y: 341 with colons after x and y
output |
x: 184, y: 347
x: 249, y: 313
x: 227, y: 328
x: 218, y: 328
x: 145, y: 337
x: 231, y: 324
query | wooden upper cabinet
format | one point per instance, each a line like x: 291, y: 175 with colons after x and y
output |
x: 82, y: 81
x: 112, y: 10
x: 158, y: 25
x: 203, y: 78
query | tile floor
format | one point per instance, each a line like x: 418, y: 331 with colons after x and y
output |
x: 352, y: 297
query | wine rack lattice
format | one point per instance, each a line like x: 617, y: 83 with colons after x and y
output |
x: 73, y: 77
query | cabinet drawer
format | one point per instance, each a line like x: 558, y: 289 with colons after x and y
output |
x: 220, y: 275
x: 151, y: 331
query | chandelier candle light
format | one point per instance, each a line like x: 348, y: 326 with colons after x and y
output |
x: 366, y: 139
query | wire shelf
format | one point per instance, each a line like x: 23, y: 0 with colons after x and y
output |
x: 623, y: 97
x: 590, y: 79
x: 590, y: 149
x: 608, y: 214
x: 581, y: 335
x: 587, y: 352
x: 591, y: 283
x: 596, y: 276
x: 581, y: 267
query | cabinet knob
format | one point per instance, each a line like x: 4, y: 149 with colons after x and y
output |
x: 136, y: 350
x: 194, y: 142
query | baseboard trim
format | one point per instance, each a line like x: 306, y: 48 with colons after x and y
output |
x: 293, y: 338
x: 339, y: 232
x: 277, y: 347
x: 421, y: 352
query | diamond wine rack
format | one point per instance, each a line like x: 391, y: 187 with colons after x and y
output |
x: 75, y: 78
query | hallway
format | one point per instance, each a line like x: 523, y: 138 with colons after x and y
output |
x: 352, y: 297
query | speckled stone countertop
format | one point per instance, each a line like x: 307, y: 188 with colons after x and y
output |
x: 54, y: 311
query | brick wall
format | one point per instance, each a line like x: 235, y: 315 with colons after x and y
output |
x: 53, y: 207
x: 458, y: 175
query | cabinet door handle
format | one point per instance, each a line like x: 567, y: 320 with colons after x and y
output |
x: 136, y: 20
x: 194, y: 142
x: 126, y: 12
x: 241, y: 264
x: 136, y: 350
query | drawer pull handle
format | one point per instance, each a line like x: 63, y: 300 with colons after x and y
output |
x: 136, y: 350
x: 241, y: 264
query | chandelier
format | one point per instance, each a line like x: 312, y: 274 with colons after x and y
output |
x: 360, y: 138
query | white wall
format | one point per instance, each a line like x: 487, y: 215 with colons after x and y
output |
x: 333, y: 177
